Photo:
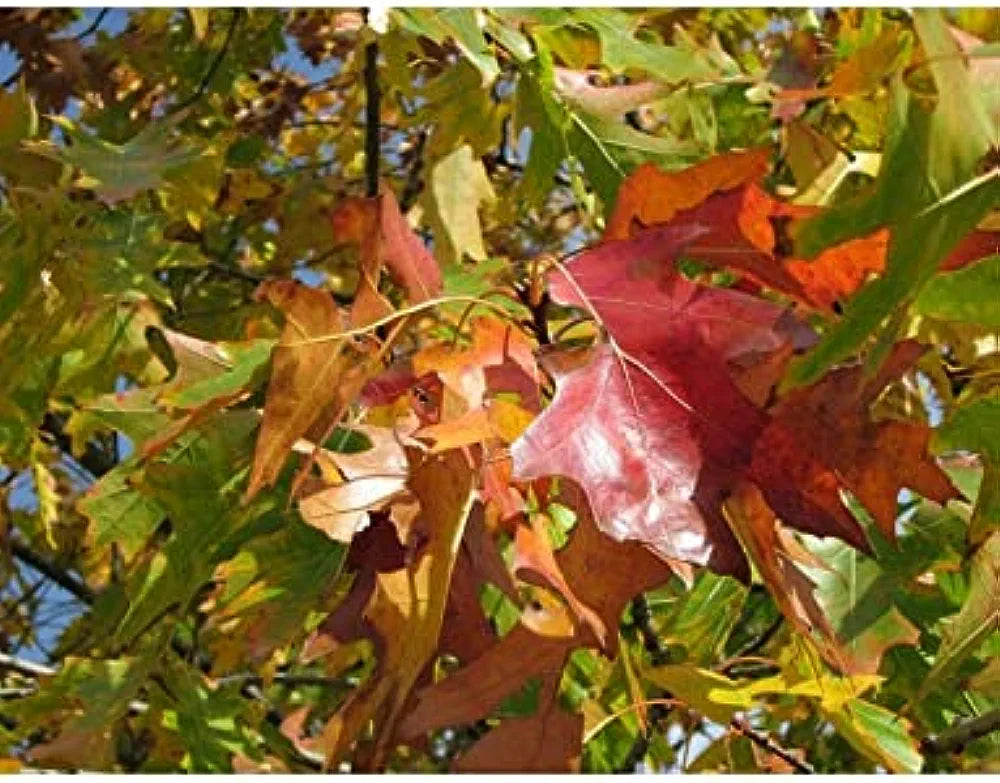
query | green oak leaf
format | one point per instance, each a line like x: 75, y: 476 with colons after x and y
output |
x: 116, y: 172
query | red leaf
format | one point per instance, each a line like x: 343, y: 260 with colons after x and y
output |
x: 655, y: 428
x: 744, y: 229
x: 384, y: 238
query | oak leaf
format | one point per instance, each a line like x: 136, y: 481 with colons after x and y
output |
x: 405, y: 614
x: 549, y: 740
x: 655, y: 428
x: 384, y: 239
x: 313, y: 378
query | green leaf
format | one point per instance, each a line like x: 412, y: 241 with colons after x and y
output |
x: 917, y: 246
x: 978, y: 618
x: 458, y: 188
x: 702, y: 689
x: 703, y: 617
x: 116, y: 172
x: 968, y: 295
x: 118, y: 513
x: 607, y: 148
x: 459, y: 111
x: 927, y: 192
x: 879, y: 734
x: 462, y: 25
x: 18, y: 117
x: 211, y: 723
x: 194, y: 483
x: 271, y: 587
x: 975, y: 426
x: 536, y: 108
x: 623, y: 50
x: 240, y: 367
x: 134, y: 414
x: 90, y: 697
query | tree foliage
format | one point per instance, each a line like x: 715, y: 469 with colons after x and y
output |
x: 500, y: 390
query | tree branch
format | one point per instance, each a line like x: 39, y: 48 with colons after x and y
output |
x: 373, y: 140
x: 961, y: 733
x: 57, y: 574
x: 25, y: 667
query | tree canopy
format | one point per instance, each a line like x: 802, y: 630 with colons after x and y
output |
x: 500, y: 390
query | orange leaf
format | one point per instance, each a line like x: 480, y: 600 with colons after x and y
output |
x: 651, y: 196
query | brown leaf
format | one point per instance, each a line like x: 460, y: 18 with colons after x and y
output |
x: 874, y: 459
x: 407, y: 609
x: 549, y: 740
x: 478, y: 688
x: 625, y: 568
x: 311, y: 382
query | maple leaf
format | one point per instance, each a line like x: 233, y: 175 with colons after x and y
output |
x: 655, y: 427
x: 385, y: 239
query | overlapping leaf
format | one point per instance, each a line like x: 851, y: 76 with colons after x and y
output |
x: 655, y: 428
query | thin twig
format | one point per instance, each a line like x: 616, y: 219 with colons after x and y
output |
x: 763, y: 741
x: 25, y: 667
x: 206, y: 80
x: 962, y: 733
x: 93, y: 25
x: 753, y: 646
x: 57, y: 574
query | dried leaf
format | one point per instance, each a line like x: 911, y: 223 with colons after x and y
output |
x: 313, y: 378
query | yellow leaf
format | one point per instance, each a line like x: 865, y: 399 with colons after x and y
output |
x: 199, y: 22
